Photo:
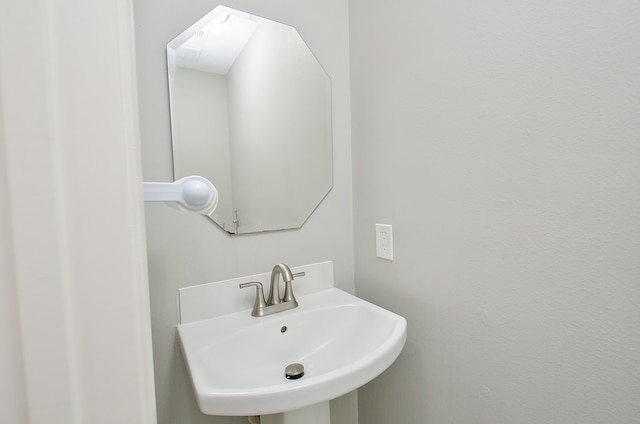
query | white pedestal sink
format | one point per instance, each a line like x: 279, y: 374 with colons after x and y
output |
x: 237, y: 362
x: 319, y: 413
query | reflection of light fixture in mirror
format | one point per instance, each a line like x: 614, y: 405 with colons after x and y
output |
x: 192, y: 194
x: 210, y: 46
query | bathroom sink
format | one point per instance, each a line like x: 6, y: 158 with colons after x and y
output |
x: 237, y: 362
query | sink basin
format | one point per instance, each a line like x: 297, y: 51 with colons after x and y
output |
x: 237, y: 362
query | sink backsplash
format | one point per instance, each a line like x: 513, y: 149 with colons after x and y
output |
x: 210, y: 300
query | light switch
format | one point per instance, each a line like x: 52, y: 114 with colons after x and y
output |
x: 384, y: 241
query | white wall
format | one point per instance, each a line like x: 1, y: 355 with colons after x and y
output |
x: 187, y: 249
x: 502, y: 141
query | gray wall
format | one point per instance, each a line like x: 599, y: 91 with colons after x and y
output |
x: 502, y: 142
x: 188, y: 249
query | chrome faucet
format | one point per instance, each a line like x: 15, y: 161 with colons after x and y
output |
x: 275, y: 303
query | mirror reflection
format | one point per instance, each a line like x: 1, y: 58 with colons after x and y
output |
x: 251, y: 112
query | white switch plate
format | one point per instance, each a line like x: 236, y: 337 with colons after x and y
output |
x: 384, y: 241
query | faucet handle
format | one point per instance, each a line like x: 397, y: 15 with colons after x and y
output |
x: 260, y: 303
x: 288, y: 289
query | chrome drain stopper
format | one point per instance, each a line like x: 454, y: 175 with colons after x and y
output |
x: 294, y: 371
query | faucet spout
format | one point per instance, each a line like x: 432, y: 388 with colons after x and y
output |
x: 275, y: 303
x: 274, y: 290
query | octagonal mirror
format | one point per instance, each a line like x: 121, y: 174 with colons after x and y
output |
x: 251, y: 111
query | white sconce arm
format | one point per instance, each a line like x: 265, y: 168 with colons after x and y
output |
x: 193, y: 194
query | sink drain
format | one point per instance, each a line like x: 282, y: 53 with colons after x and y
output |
x: 294, y: 371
